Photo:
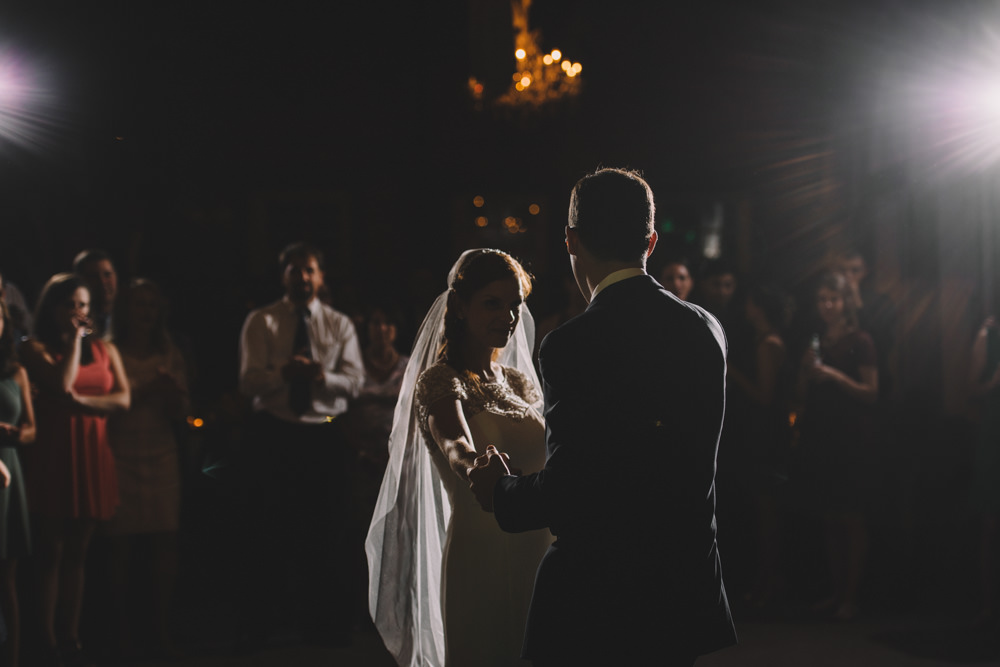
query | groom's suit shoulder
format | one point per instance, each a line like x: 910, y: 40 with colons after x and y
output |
x: 638, y: 309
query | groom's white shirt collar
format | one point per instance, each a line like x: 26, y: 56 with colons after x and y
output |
x: 616, y: 277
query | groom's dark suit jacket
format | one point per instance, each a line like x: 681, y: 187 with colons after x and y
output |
x: 634, y: 399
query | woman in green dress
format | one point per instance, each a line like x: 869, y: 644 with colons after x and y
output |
x: 17, y: 428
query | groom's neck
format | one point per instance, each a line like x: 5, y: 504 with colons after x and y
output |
x: 599, y: 270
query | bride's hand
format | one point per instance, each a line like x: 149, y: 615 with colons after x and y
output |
x: 483, y: 460
x: 483, y: 477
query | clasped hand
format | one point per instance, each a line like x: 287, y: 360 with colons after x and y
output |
x: 302, y: 369
x: 483, y: 475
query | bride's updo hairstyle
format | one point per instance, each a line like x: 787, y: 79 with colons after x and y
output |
x: 478, y: 269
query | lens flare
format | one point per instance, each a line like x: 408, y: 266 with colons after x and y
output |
x: 27, y: 116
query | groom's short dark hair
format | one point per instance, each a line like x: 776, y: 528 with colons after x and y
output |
x: 612, y: 211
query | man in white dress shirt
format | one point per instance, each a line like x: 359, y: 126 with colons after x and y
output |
x: 300, y: 362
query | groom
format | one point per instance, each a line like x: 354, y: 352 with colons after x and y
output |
x: 634, y: 398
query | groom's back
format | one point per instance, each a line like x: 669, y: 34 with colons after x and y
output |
x: 645, y: 376
x: 636, y: 386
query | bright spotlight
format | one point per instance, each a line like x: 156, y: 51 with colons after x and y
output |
x: 25, y: 104
x: 943, y: 98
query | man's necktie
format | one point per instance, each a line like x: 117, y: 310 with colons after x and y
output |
x: 299, y: 398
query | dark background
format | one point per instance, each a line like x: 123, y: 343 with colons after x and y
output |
x: 193, y: 141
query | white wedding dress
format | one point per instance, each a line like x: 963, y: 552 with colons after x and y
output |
x: 487, y: 574
x: 446, y: 586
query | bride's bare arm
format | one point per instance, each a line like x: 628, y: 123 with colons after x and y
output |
x: 450, y: 431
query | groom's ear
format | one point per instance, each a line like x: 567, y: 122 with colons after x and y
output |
x: 572, y: 241
x: 652, y: 244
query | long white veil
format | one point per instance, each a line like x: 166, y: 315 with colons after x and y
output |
x: 406, y: 539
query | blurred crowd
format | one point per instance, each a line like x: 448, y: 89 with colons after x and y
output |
x: 114, y: 480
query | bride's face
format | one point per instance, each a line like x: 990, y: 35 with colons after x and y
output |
x: 492, y: 313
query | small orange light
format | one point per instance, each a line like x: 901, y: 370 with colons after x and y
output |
x: 791, y: 418
x: 481, y: 221
x: 534, y: 209
x: 520, y: 54
x: 198, y: 422
x: 556, y: 54
x: 478, y: 201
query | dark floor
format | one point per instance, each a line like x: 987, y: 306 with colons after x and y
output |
x: 890, y: 641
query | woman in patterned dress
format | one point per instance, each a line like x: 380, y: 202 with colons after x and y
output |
x: 147, y: 458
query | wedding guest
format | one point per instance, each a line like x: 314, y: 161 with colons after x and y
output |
x: 716, y: 289
x: 719, y: 293
x: 984, y: 379
x: 676, y: 277
x: 99, y: 273
x: 70, y: 472
x: 368, y: 423
x: 384, y: 368
x: 17, y: 429
x: 876, y: 313
x: 573, y: 304
x: 146, y: 454
x: 838, y: 385
x: 756, y: 433
x: 300, y: 362
x: 19, y: 314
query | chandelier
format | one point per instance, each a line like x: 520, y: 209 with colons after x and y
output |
x: 539, y: 77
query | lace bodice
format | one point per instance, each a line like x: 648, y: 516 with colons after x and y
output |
x: 511, y: 394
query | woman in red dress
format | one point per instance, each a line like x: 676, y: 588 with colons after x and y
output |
x: 71, y: 478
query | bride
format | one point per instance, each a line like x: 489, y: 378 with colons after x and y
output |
x: 447, y: 587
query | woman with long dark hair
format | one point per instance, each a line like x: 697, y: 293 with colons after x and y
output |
x: 17, y: 428
x: 71, y: 475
